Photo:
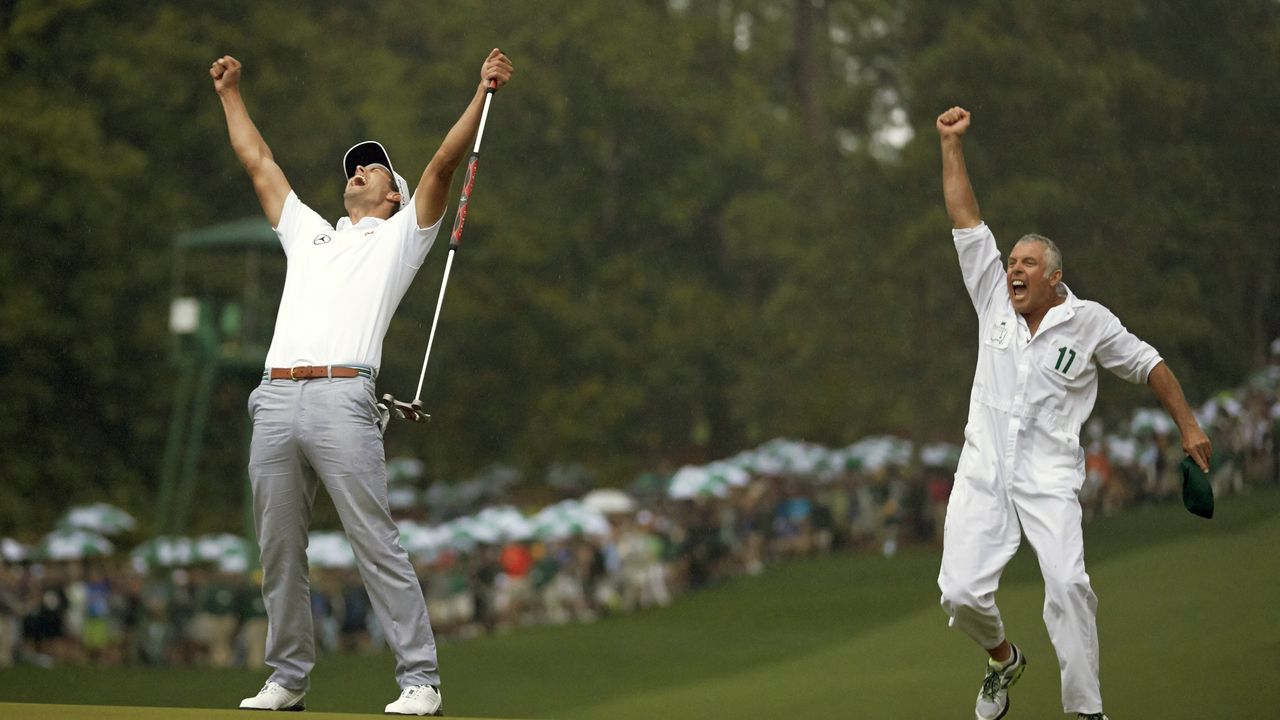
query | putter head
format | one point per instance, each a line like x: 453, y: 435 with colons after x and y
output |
x: 409, y: 411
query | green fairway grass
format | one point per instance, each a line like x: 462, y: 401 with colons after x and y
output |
x: 1186, y: 617
x: 39, y: 711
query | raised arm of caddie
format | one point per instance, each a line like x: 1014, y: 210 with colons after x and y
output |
x: 268, y: 179
x: 962, y: 205
x: 1168, y: 391
x: 433, y: 188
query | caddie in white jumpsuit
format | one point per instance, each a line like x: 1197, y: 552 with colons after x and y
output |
x: 1039, y: 349
x: 315, y: 416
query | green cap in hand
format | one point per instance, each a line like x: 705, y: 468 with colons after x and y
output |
x: 1197, y: 491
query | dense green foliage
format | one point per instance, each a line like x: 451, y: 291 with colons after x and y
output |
x: 690, y: 232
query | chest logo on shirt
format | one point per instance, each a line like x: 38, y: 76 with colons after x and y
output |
x: 999, y: 334
x: 321, y: 239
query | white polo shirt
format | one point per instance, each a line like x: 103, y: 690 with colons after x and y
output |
x: 1046, y: 384
x: 342, y: 285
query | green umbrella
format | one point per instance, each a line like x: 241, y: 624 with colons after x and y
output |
x: 569, y: 518
x: 232, y: 553
x: 100, y: 518
x: 691, y: 481
x: 874, y: 453
x: 164, y: 551
x: 940, y: 455
x: 506, y: 522
x: 421, y: 541
x: 402, y: 497
x: 784, y: 456
x: 72, y: 544
x: 330, y: 550
x: 404, y: 470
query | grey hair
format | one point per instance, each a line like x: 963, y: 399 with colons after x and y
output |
x: 1052, y: 258
x: 1052, y: 255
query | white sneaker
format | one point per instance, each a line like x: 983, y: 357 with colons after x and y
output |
x: 1092, y: 716
x: 993, y: 698
x: 274, y: 697
x: 417, y: 700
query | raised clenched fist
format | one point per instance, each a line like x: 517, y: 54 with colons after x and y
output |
x: 953, y: 122
x: 225, y: 72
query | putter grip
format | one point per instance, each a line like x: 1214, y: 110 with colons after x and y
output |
x: 460, y: 219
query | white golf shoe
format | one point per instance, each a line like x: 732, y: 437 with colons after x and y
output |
x: 993, y: 698
x: 417, y: 700
x: 1092, y: 716
x: 274, y: 697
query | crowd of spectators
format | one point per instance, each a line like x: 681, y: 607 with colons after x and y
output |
x: 112, y: 610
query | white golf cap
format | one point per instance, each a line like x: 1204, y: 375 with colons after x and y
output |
x: 371, y: 152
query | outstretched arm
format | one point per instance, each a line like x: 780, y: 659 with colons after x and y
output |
x: 1169, y: 392
x: 268, y: 179
x: 433, y: 188
x: 962, y: 205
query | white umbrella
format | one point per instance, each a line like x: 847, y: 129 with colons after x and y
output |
x: 459, y: 534
x: 609, y: 501
x: 481, y: 530
x: 232, y: 553
x: 691, y: 481
x: 1150, y: 421
x: 1122, y: 450
x: 942, y: 455
x: 329, y: 550
x: 1224, y: 402
x: 100, y: 517
x: 422, y: 541
x: 72, y: 544
x: 784, y: 456
x: 876, y: 452
x: 569, y: 518
x: 13, y: 551
x: 404, y: 469
x: 509, y: 522
x: 164, y: 551
x: 400, y: 497
x: 748, y: 460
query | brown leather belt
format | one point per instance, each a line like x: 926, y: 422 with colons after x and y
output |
x: 309, y: 372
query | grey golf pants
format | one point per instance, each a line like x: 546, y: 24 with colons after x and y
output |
x: 325, y: 431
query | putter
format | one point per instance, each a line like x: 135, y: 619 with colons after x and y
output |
x: 412, y: 411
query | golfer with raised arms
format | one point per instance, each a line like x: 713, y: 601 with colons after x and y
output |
x: 1039, y: 348
x: 315, y: 416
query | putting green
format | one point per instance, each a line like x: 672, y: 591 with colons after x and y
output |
x: 32, y: 711
x: 1186, y: 619
x: 1184, y: 628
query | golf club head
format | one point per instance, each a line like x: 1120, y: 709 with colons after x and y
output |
x: 409, y: 411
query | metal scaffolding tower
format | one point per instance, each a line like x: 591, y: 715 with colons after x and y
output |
x: 221, y: 323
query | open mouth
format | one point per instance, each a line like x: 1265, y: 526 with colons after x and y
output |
x: 1018, y: 288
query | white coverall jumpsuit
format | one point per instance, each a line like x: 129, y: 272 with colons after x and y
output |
x: 1022, y: 465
